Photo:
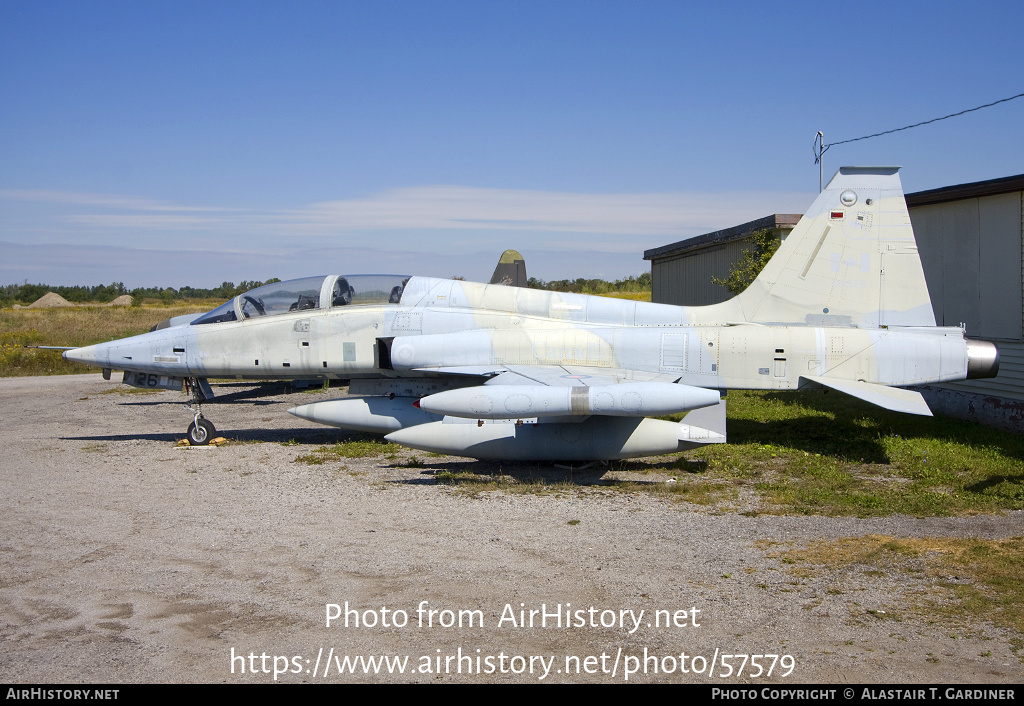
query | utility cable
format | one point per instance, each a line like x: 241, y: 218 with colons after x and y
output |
x: 824, y: 148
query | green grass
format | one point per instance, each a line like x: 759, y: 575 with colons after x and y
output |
x: 360, y: 447
x: 818, y: 453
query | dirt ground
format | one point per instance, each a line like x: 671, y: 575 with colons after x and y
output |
x: 126, y: 559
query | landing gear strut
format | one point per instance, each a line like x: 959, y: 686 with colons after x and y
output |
x: 201, y: 430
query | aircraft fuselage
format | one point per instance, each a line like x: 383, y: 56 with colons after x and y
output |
x: 436, y: 332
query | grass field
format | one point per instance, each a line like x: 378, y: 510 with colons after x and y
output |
x: 73, y: 326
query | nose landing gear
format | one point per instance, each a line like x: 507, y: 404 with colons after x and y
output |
x: 201, y: 430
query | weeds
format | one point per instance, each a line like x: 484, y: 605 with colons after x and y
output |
x: 122, y: 390
x: 363, y: 447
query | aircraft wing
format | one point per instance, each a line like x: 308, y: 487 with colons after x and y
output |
x: 552, y: 375
x: 574, y: 376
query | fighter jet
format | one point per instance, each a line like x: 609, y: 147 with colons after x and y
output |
x: 505, y: 372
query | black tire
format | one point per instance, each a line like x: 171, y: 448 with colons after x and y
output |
x: 201, y: 435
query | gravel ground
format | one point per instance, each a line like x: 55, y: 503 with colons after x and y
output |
x: 127, y: 559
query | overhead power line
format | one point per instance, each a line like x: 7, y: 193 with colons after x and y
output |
x: 926, y: 122
x: 820, y: 148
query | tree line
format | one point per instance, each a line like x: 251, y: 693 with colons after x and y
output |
x: 105, y: 293
x: 594, y: 286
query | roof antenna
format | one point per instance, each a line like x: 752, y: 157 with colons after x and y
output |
x: 819, y: 149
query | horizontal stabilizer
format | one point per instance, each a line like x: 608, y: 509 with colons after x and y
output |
x: 894, y: 398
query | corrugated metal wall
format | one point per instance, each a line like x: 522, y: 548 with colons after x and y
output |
x: 972, y: 251
x: 688, y: 279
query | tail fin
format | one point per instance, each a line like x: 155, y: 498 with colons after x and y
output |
x: 511, y: 270
x: 851, y: 261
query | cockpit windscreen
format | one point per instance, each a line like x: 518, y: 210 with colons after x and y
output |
x: 309, y: 293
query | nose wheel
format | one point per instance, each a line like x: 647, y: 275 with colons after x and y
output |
x: 200, y: 431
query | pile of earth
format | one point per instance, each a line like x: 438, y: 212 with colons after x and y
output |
x: 49, y: 300
x: 52, y: 300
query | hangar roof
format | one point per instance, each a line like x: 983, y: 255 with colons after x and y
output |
x: 975, y: 189
x: 966, y: 191
x: 776, y: 220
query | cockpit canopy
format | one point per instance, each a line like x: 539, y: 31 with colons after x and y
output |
x: 309, y: 293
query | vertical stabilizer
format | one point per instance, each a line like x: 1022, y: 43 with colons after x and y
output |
x: 511, y: 270
x: 851, y: 261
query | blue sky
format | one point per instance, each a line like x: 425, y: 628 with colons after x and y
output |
x: 194, y: 142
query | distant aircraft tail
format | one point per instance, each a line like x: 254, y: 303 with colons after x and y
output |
x: 851, y: 261
x: 511, y: 270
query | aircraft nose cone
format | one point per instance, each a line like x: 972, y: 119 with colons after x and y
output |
x: 86, y: 355
x: 103, y: 355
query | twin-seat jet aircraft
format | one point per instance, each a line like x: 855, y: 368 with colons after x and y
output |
x: 505, y: 372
